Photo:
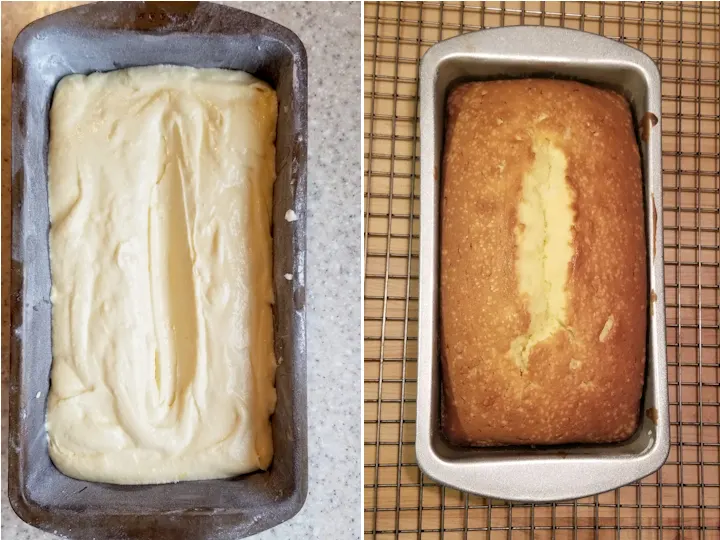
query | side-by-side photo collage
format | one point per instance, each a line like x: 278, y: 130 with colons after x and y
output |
x: 360, y: 270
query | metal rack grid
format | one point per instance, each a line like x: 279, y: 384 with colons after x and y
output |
x: 682, y: 500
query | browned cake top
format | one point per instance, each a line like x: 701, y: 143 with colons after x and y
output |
x: 543, y: 278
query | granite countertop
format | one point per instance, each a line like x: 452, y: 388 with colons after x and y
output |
x: 331, y: 34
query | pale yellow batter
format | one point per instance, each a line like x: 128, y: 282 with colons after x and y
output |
x: 160, y: 187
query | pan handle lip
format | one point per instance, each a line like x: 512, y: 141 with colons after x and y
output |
x: 542, y: 479
x: 159, y: 18
x: 548, y: 43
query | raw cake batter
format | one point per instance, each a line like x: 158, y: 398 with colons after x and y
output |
x: 160, y: 187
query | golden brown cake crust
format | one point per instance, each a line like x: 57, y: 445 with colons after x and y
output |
x: 576, y: 388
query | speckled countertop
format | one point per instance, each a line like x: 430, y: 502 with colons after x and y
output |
x: 331, y: 34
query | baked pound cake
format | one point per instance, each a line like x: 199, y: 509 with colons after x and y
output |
x: 543, y: 279
x: 160, y: 192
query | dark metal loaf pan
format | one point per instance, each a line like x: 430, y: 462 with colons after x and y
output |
x: 104, y: 37
x: 560, y: 472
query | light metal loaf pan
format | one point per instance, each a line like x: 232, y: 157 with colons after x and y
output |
x: 104, y: 37
x: 562, y: 472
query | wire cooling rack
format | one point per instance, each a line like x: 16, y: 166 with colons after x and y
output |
x: 682, y: 500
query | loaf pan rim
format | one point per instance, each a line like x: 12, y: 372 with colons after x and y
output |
x: 479, y: 46
x: 293, y: 499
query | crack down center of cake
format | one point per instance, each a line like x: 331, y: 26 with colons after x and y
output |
x: 544, y: 247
